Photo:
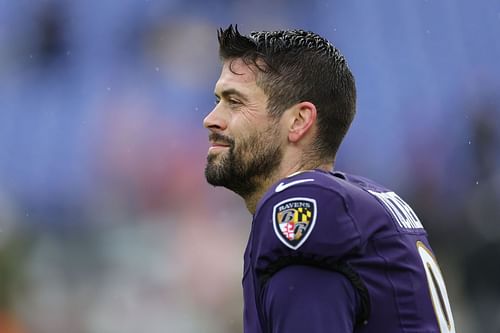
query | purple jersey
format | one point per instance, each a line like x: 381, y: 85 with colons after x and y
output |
x: 331, y: 252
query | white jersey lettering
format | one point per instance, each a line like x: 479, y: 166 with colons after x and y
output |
x: 400, y: 210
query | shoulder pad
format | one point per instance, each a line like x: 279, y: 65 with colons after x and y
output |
x: 304, y: 214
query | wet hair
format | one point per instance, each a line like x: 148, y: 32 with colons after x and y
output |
x: 295, y: 66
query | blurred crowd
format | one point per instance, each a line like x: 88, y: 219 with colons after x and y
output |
x: 106, y: 222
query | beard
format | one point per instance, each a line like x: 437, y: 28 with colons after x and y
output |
x: 246, y: 164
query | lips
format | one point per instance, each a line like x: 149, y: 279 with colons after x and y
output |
x: 218, y: 142
x: 217, y: 146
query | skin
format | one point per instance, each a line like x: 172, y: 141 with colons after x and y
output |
x: 241, y: 116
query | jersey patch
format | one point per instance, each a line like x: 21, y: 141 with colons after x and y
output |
x: 293, y: 220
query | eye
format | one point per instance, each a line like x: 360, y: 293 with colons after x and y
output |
x: 233, y: 102
x: 216, y: 101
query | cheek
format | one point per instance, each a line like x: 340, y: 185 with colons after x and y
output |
x: 276, y: 133
x: 250, y: 136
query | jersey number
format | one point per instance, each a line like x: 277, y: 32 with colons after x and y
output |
x: 437, y: 290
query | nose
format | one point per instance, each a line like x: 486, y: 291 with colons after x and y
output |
x: 215, y: 121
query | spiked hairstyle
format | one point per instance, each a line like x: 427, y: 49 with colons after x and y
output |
x: 296, y: 66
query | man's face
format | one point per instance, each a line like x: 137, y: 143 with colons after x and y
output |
x: 245, y: 141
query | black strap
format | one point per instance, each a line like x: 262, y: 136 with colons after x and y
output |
x: 324, y: 263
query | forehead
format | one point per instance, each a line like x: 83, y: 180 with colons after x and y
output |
x: 236, y: 74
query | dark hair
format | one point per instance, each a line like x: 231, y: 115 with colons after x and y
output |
x: 296, y: 66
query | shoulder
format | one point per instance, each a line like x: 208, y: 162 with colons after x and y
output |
x: 320, y: 212
x: 314, y: 183
x: 331, y: 194
x: 308, y: 210
x: 371, y: 206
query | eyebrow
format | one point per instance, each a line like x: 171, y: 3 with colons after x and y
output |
x: 231, y: 91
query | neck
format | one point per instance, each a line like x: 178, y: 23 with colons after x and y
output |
x: 253, y: 199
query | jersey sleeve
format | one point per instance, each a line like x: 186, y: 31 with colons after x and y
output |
x: 309, y: 299
x: 306, y: 220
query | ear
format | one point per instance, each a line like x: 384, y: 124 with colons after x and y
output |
x: 302, y: 117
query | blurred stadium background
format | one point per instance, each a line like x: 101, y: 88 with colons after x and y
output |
x: 106, y: 223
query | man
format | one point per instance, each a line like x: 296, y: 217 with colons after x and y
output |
x: 328, y: 251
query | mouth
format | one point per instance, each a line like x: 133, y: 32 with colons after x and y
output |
x: 218, y: 142
x: 215, y: 146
